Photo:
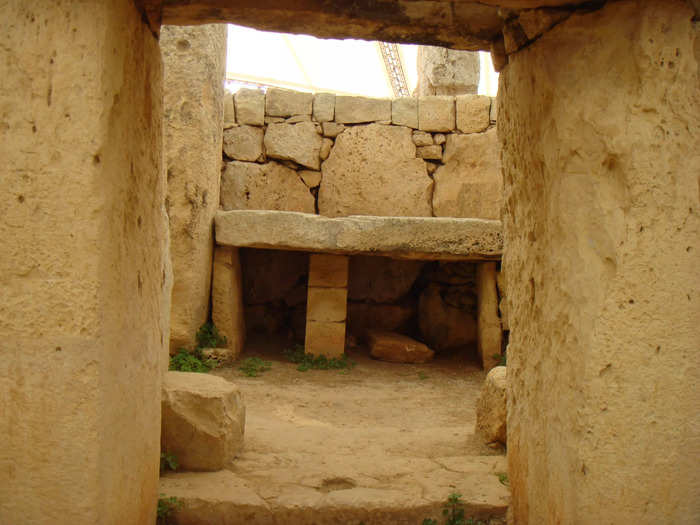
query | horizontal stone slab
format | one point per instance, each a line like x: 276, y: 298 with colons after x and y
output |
x: 435, y: 238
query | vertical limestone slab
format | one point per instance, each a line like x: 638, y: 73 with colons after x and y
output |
x: 443, y: 71
x: 227, y: 298
x: 489, y: 330
x: 84, y: 275
x: 329, y: 271
x: 194, y: 58
x: 602, y: 229
x: 325, y: 338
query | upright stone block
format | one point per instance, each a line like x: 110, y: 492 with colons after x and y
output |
x: 250, y: 106
x: 404, y: 112
x: 227, y: 298
x: 324, y: 338
x: 194, y: 62
x: 328, y: 271
x: 436, y: 113
x: 285, y: 102
x: 323, y: 107
x: 327, y: 304
x: 489, y: 331
x: 473, y: 113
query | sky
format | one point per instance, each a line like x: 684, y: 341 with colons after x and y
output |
x: 306, y: 63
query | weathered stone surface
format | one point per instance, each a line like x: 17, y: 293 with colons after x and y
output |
x: 383, y: 317
x: 272, y: 275
x: 355, y: 110
x: 332, y: 129
x: 243, y: 143
x: 439, y: 138
x: 372, y: 170
x: 422, y: 138
x: 535, y: 22
x: 431, y: 167
x: 470, y: 183
x: 203, y: 420
x: 250, y: 106
x: 443, y: 71
x: 327, y: 304
x: 404, y: 112
x: 600, y: 181
x: 436, y: 113
x: 269, y: 186
x: 328, y: 270
x: 229, y: 110
x: 324, y: 107
x: 401, y: 237
x: 430, y: 152
x: 489, y: 327
x: 493, y: 113
x: 397, y: 348
x: 325, y: 338
x: 298, y: 118
x: 274, y: 120
x: 473, y: 113
x: 491, y: 407
x: 194, y: 64
x: 326, y: 146
x: 285, y: 102
x: 300, y: 143
x: 311, y: 178
x: 380, y: 279
x: 227, y: 299
x: 443, y: 325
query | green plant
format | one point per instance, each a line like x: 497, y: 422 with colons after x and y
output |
x: 501, y: 358
x: 422, y: 376
x: 454, y: 513
x: 185, y: 361
x: 166, y: 507
x: 253, y: 366
x: 316, y: 362
x: 503, y: 478
x: 208, y: 336
x: 168, y: 462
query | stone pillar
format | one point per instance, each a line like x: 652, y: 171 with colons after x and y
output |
x: 227, y: 298
x: 84, y: 272
x: 194, y: 60
x: 600, y: 122
x: 326, y: 306
x: 489, y: 330
x: 443, y: 71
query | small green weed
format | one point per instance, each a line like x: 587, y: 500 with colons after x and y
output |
x: 208, y: 336
x: 166, y: 507
x: 422, y: 376
x: 501, y: 358
x: 317, y: 362
x: 503, y: 478
x: 454, y: 513
x: 254, y: 366
x: 168, y: 462
x: 185, y: 361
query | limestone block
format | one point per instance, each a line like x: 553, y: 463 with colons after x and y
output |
x: 250, y: 106
x: 473, y: 113
x: 445, y: 325
x: 384, y: 317
x: 323, y: 338
x: 300, y: 143
x: 493, y: 112
x: 436, y: 113
x: 328, y: 270
x: 443, y: 71
x: 380, y: 279
x: 270, y: 186
x: 285, y: 102
x: 372, y: 170
x: 227, y: 299
x: 311, y: 178
x: 193, y: 97
x: 326, y: 146
x: 327, y: 304
x: 431, y: 167
x: 229, y: 110
x: 491, y: 407
x: 243, y: 142
x: 397, y: 348
x: 274, y: 120
x: 272, y: 275
x: 404, y: 112
x: 439, y: 138
x: 422, y: 138
x: 433, y: 152
x: 490, y: 331
x: 356, y: 110
x: 324, y: 107
x: 535, y: 22
x: 470, y: 183
x: 332, y: 129
x: 203, y: 420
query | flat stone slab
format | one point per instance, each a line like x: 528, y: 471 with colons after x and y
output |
x: 434, y: 238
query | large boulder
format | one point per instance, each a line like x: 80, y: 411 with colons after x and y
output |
x: 373, y: 170
x: 446, y: 318
x: 380, y: 279
x: 203, y: 420
x: 470, y: 182
x: 270, y: 186
x: 491, y: 407
x: 397, y: 348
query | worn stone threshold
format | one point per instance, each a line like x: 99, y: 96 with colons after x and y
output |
x: 434, y: 238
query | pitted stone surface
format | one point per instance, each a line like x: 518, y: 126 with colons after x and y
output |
x: 249, y: 106
x: 404, y: 112
x: 355, y: 110
x: 243, y: 142
x: 473, y: 113
x: 285, y: 102
x: 300, y: 143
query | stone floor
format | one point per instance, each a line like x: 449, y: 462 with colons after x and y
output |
x: 381, y: 443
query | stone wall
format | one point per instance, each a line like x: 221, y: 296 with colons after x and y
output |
x: 84, y: 275
x: 600, y: 122
x: 342, y: 155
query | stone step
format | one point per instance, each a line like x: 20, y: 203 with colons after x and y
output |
x: 227, y: 498
x: 435, y: 238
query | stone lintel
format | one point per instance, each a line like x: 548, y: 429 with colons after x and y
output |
x: 432, y: 238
